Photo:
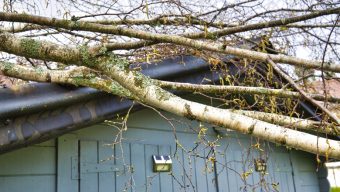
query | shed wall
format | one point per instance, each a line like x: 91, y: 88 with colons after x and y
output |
x: 29, y: 169
x: 50, y: 167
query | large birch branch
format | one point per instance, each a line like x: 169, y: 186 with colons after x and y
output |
x: 175, y: 39
x: 144, y: 89
x: 40, y: 49
x: 91, y: 79
x: 83, y: 76
x: 292, y: 122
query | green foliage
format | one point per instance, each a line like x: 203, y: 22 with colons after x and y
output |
x: 335, y: 189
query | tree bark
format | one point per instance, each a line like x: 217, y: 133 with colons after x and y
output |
x: 147, y: 92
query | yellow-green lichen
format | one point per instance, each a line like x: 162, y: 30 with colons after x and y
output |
x: 102, y: 50
x: 6, y: 67
x: 39, y: 70
x: 31, y: 47
x: 141, y: 80
x: 109, y: 61
x: 86, y: 57
x: 162, y: 95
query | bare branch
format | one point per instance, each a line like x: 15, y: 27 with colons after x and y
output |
x: 291, y: 122
x: 303, y: 93
x: 218, y: 89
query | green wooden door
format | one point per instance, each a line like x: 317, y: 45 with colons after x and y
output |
x: 97, y: 167
x: 236, y: 171
x: 90, y: 165
x: 281, y: 174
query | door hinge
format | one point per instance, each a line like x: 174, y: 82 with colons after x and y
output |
x: 89, y: 167
x: 86, y: 167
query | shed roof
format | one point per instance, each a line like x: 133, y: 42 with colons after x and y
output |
x: 41, y: 111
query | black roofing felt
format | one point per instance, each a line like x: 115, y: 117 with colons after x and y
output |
x: 46, y: 111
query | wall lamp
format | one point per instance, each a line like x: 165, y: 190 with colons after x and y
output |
x: 162, y: 163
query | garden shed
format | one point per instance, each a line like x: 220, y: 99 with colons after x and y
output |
x: 53, y: 138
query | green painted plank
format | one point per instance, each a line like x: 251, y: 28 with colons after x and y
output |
x: 233, y: 157
x: 152, y: 179
x: 138, y: 166
x: 239, y: 163
x: 165, y: 178
x: 88, y: 154
x: 67, y: 150
x: 28, y: 183
x: 201, y: 172
x: 192, y: 172
x: 152, y: 137
x: 222, y: 170
x: 106, y: 179
x: 311, y: 189
x: 211, y: 182
x: 304, y: 167
x: 283, y: 171
x: 97, y: 132
x: 142, y: 120
x: 122, y: 158
x: 271, y: 177
x: 177, y: 169
x: 30, y: 160
x: 256, y: 184
x: 307, y: 178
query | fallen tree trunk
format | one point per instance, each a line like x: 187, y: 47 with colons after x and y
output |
x: 146, y: 91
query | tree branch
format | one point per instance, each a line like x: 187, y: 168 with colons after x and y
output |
x: 6, y: 38
x: 303, y: 93
x: 291, y: 122
x: 262, y: 25
x: 143, y: 88
x: 218, y: 89
x: 78, y: 76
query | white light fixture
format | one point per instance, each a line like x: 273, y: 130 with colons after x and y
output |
x: 162, y: 163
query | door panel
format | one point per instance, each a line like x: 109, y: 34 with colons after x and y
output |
x: 124, y: 167
x: 232, y: 164
x: 88, y: 156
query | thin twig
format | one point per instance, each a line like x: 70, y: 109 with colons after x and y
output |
x: 303, y: 93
